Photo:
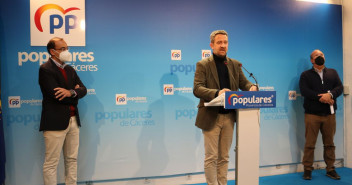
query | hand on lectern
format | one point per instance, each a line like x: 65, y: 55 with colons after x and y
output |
x: 223, y: 90
x: 253, y: 88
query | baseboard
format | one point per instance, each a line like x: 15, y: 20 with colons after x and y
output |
x: 200, y: 178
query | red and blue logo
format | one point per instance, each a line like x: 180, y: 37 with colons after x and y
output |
x: 121, y: 99
x: 233, y: 96
x: 206, y: 54
x: 56, y: 20
x: 14, y: 101
x: 168, y: 89
x: 175, y: 54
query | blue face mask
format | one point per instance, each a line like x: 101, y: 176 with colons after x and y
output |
x: 319, y: 61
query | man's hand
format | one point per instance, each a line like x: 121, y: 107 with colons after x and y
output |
x: 253, y: 88
x: 331, y: 102
x: 326, y: 98
x: 223, y: 90
x: 61, y: 93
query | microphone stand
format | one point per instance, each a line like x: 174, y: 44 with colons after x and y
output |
x: 251, y: 75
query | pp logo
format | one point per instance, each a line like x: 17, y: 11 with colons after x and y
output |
x: 206, y: 54
x: 176, y: 55
x: 56, y: 20
x: 168, y: 89
x: 121, y: 99
x: 14, y: 101
x: 61, y: 18
x: 292, y: 95
x: 233, y: 96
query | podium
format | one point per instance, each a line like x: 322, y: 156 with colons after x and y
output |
x: 248, y: 104
x: 247, y: 146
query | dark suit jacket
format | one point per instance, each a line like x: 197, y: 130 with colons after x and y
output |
x: 206, y: 84
x: 55, y: 113
x: 311, y: 85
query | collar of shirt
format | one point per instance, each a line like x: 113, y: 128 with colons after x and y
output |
x: 320, y: 73
x: 58, y: 64
x: 317, y: 70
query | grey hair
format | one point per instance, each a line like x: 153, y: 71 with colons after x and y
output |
x: 214, y: 33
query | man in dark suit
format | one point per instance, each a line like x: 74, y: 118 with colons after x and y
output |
x: 320, y: 86
x: 214, y: 76
x: 61, y: 88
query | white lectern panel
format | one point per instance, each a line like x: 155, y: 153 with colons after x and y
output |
x: 247, y: 146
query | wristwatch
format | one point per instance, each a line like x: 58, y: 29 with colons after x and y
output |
x: 73, y: 93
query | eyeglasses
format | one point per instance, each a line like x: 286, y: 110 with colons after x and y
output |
x: 62, y: 49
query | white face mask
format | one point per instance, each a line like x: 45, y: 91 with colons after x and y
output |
x: 65, y: 56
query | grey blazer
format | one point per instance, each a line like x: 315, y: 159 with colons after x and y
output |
x: 206, y: 84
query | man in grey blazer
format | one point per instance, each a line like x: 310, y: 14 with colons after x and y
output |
x: 214, y: 76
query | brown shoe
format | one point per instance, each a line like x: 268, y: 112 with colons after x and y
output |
x: 332, y: 174
x: 307, y: 175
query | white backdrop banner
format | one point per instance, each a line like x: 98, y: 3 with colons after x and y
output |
x: 137, y: 61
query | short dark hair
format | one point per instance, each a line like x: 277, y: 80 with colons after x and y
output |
x: 51, y: 43
x: 214, y: 33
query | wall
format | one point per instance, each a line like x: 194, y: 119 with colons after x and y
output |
x: 347, y: 63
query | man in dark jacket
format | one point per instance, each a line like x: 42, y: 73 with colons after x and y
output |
x: 320, y: 86
x: 61, y: 88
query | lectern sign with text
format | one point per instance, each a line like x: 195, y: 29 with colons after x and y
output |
x: 250, y: 99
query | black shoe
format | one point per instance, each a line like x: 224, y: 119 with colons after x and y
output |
x: 307, y: 175
x: 332, y: 174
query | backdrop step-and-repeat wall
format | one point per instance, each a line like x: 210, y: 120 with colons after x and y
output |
x: 137, y: 59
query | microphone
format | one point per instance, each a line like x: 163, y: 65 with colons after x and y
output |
x: 250, y: 75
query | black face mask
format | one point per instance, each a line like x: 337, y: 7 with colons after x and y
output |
x: 319, y: 61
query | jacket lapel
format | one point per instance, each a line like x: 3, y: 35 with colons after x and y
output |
x: 214, y: 71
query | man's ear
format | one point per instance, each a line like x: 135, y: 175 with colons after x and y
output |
x: 51, y: 52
